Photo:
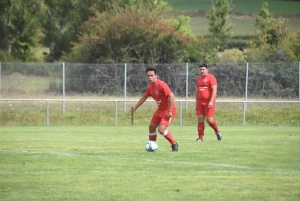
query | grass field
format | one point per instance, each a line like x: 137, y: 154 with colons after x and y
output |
x: 33, y: 113
x: 110, y: 163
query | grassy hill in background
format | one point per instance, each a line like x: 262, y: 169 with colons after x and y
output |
x: 244, y: 18
x: 239, y: 6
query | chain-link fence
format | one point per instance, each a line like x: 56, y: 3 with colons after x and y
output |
x: 235, y: 80
x: 73, y: 94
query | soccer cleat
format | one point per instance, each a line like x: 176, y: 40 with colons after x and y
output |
x: 219, y: 136
x: 175, y: 147
x: 199, y: 140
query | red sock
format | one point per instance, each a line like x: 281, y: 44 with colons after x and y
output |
x: 201, y: 128
x: 169, y: 137
x: 214, y: 126
x: 152, y: 136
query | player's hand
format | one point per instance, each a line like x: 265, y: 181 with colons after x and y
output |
x: 210, y: 104
x: 169, y: 115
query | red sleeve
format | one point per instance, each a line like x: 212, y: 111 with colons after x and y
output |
x: 166, y: 88
x: 213, y: 81
x: 147, y: 93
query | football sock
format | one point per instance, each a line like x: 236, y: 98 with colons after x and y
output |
x: 152, y: 136
x: 201, y: 128
x: 169, y: 137
x: 214, y: 126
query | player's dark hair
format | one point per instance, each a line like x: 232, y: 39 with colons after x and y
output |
x: 151, y: 69
x: 203, y: 65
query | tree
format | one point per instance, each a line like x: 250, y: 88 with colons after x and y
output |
x: 60, y: 24
x: 263, y: 24
x: 272, y: 34
x: 141, y: 32
x: 19, y: 25
x: 293, y: 46
x: 137, y: 33
x: 219, y: 24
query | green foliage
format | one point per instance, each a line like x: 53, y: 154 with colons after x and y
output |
x: 136, y: 34
x: 5, y: 57
x: 241, y: 41
x: 19, y: 27
x: 272, y: 34
x: 271, y: 31
x: 219, y: 24
x: 27, y: 25
x: 183, y: 25
x: 60, y: 21
x: 232, y: 55
x: 293, y: 46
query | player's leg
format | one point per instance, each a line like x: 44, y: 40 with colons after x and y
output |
x: 162, y: 128
x: 152, y: 131
x: 212, y: 123
x: 153, y: 126
x: 200, y: 125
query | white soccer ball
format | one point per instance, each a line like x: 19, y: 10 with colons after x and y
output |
x: 151, y: 146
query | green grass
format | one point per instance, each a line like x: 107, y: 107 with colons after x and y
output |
x: 110, y: 163
x: 33, y: 113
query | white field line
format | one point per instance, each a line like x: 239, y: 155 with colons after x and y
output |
x: 247, y: 169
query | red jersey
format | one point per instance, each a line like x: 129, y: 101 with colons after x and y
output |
x: 159, y: 93
x: 204, y: 84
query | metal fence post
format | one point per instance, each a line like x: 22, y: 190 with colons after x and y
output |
x: 116, y: 112
x: 125, y: 77
x: 299, y: 83
x: 47, y: 112
x: 246, y: 94
x: 180, y: 114
x: 186, y: 84
x: 0, y: 84
x: 63, y: 88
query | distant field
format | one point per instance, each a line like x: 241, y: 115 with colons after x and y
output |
x: 240, y: 6
x: 244, y: 22
x: 241, y: 25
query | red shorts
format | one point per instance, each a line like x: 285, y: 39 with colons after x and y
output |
x: 202, y: 109
x: 160, y: 117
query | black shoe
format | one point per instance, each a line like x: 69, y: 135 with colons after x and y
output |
x: 175, y: 147
x: 199, y: 140
x: 219, y: 136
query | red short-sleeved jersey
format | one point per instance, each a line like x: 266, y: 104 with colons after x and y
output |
x: 159, y: 93
x: 204, y: 84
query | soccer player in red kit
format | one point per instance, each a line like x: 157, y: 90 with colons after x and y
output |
x: 206, y: 92
x: 166, y: 110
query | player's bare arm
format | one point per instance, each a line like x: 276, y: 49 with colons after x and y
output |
x: 196, y: 96
x: 170, y: 105
x: 213, y: 96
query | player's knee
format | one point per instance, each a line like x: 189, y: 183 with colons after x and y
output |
x: 209, y: 120
x: 163, y: 132
x: 200, y: 118
x: 152, y: 128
